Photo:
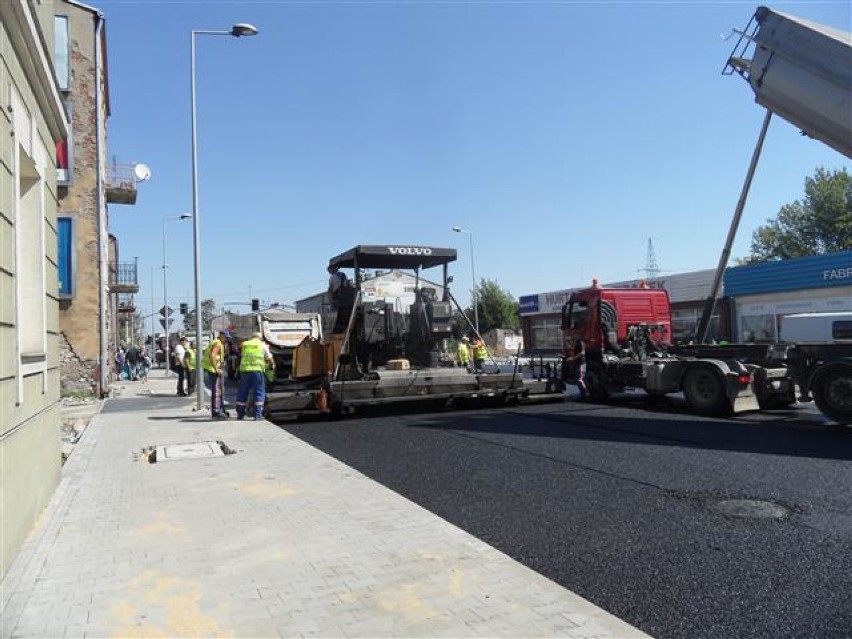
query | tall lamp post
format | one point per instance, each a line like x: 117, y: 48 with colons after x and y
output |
x: 475, y: 289
x: 238, y: 30
x: 185, y: 216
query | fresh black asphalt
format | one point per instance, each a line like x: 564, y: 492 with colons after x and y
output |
x: 621, y: 505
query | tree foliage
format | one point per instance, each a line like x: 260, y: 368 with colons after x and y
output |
x: 819, y: 223
x: 207, y: 308
x: 497, y: 308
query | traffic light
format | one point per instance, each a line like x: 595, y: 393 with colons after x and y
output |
x: 255, y: 304
x: 184, y: 309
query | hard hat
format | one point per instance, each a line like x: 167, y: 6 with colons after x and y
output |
x: 465, y: 338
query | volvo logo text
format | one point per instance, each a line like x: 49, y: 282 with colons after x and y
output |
x: 410, y: 250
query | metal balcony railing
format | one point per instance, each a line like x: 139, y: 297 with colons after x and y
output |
x: 121, y: 182
x: 126, y: 303
x: 123, y: 278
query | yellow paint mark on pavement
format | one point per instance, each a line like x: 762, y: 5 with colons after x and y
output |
x: 160, y: 527
x: 456, y: 577
x: 405, y: 601
x: 174, y: 602
x: 268, y: 488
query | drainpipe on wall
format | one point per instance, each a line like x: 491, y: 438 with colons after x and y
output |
x: 103, y: 240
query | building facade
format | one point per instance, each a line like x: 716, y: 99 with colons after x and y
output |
x: 32, y: 122
x: 762, y: 294
x: 96, y: 289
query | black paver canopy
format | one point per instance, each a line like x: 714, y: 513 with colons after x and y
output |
x: 394, y: 256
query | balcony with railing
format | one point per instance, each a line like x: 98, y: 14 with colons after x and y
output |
x: 121, y: 181
x: 122, y: 278
x: 126, y: 304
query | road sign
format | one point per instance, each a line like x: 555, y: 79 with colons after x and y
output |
x: 164, y: 321
x: 166, y: 311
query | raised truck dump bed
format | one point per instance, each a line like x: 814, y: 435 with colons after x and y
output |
x: 800, y: 70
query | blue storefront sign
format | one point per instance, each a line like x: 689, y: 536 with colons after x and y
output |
x: 813, y: 272
x: 528, y: 304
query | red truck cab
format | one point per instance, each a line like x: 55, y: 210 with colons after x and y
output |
x: 603, y: 317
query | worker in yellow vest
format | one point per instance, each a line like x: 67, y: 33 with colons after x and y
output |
x: 479, y: 354
x: 254, y: 360
x: 463, y: 353
x: 190, y: 366
x: 213, y: 363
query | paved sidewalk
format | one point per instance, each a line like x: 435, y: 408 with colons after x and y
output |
x: 277, y: 539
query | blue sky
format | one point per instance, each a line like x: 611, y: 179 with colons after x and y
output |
x: 562, y: 134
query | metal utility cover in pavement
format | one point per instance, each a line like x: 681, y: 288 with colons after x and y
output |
x: 189, y: 451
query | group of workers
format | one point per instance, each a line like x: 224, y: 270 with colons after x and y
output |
x: 256, y: 366
x: 465, y: 351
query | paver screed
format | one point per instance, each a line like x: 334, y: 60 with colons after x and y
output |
x: 276, y: 539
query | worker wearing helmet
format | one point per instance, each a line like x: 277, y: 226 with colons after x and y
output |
x: 254, y: 359
x: 463, y: 353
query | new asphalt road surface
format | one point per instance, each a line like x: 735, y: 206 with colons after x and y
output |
x: 682, y: 526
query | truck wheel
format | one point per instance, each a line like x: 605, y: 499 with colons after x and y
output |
x: 833, y: 394
x: 595, y: 379
x: 705, y: 391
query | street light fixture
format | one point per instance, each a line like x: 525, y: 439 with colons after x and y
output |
x: 166, y: 314
x: 238, y: 30
x: 475, y: 289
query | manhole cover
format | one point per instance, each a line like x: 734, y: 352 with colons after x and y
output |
x: 750, y: 509
x: 196, y: 450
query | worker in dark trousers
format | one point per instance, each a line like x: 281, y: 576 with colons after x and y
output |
x: 189, y: 366
x: 254, y: 360
x: 180, y: 365
x: 213, y: 364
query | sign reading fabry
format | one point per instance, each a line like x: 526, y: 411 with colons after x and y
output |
x: 837, y: 274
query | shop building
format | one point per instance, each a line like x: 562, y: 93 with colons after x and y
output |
x: 762, y: 294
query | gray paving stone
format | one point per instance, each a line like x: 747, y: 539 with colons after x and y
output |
x: 276, y: 540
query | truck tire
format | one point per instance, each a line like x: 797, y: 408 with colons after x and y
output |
x: 595, y: 379
x: 704, y: 390
x: 832, y: 393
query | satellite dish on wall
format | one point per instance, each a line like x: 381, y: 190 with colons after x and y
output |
x: 142, y: 172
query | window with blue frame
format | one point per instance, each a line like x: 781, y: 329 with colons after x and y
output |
x: 66, y: 256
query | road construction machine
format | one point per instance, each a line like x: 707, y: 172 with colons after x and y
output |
x: 281, y: 329
x: 379, y: 353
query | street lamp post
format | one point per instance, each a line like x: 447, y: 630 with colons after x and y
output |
x: 238, y: 30
x: 475, y: 289
x: 185, y: 216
